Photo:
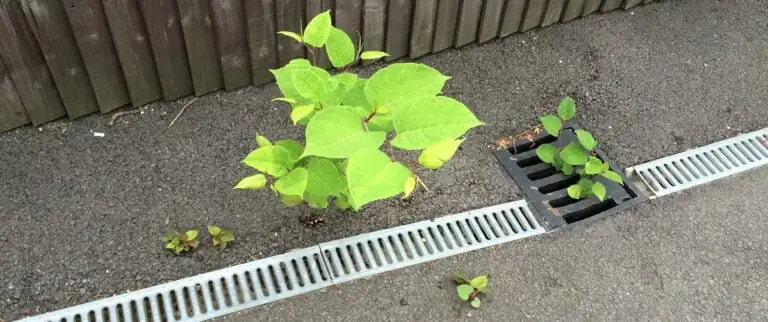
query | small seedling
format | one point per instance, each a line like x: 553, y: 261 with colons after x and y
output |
x: 221, y: 237
x: 178, y: 242
x: 469, y: 290
x: 576, y: 157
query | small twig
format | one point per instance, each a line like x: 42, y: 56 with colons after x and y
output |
x: 119, y: 114
x: 182, y: 111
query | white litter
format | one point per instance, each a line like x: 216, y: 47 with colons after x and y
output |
x: 98, y: 134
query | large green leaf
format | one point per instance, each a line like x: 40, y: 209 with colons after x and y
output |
x: 593, y: 166
x: 599, y: 190
x: 301, y: 112
x: 285, y: 80
x: 355, y: 96
x: 348, y: 80
x: 567, y: 109
x: 254, y: 182
x: 293, y: 184
x: 371, y: 176
x: 310, y: 82
x: 294, y: 149
x: 334, y: 94
x: 574, y: 191
x: 613, y: 176
x: 324, y: 178
x: 262, y: 141
x: 398, y: 82
x: 547, y: 153
x: 586, y: 139
x: 574, y: 154
x: 340, y: 49
x: 338, y: 132
x: 437, y: 154
x: 424, y: 121
x: 272, y: 159
x: 318, y: 29
x: 552, y: 124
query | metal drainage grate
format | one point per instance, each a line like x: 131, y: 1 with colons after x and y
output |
x: 384, y: 250
x: 684, y: 170
x: 207, y: 295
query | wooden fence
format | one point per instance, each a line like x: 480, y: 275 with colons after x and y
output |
x: 76, y: 57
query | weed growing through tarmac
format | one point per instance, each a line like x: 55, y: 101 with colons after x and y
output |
x: 469, y: 289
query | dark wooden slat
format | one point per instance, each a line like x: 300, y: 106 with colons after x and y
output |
x: 631, y: 3
x: 513, y: 16
x: 553, y: 13
x: 398, y: 28
x: 445, y: 24
x: 231, y: 34
x: 491, y: 23
x: 647, y: 1
x: 591, y: 6
x: 196, y: 24
x: 133, y: 49
x: 91, y: 32
x: 469, y: 19
x: 534, y: 14
x: 423, y: 27
x: 26, y: 65
x: 374, y: 25
x: 348, y: 16
x: 261, y: 37
x: 609, y: 5
x: 167, y: 40
x: 12, y: 114
x: 312, y: 9
x: 50, y: 25
x: 289, y: 18
x: 573, y: 10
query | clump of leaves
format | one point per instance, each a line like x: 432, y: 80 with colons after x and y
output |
x: 221, y: 237
x: 181, y: 242
x: 348, y: 118
x: 576, y: 157
x: 470, y: 289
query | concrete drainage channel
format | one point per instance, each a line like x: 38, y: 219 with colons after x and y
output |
x: 236, y: 288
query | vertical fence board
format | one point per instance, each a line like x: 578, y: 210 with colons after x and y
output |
x: 553, y: 13
x: 261, y: 38
x: 609, y: 5
x: 50, y: 25
x: 167, y: 40
x: 469, y: 18
x: 513, y: 17
x: 647, y: 1
x: 398, y: 28
x: 26, y: 65
x: 289, y: 18
x: 229, y: 25
x: 591, y: 6
x: 533, y: 14
x: 197, y: 28
x: 91, y: 32
x: 374, y: 25
x: 134, y: 50
x: 489, y: 27
x: 423, y: 27
x: 572, y: 10
x: 312, y: 9
x: 12, y: 112
x: 348, y: 17
x: 631, y: 3
x: 445, y: 24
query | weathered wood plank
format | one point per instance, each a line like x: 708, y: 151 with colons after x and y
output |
x: 312, y: 9
x: 469, y: 19
x: 12, y: 114
x: 261, y: 37
x: 553, y: 13
x: 591, y: 6
x: 631, y: 3
x: 26, y: 65
x: 573, y: 10
x: 197, y: 27
x: 162, y: 20
x: 534, y: 14
x: 348, y: 16
x: 289, y: 18
x: 50, y: 25
x: 374, y: 26
x: 91, y: 32
x: 491, y: 22
x: 424, y: 12
x: 513, y: 17
x: 133, y: 49
x: 398, y: 28
x: 609, y: 5
x: 445, y: 24
x: 232, y: 38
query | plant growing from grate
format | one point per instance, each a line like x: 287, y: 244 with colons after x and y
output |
x: 469, y: 289
x: 348, y: 119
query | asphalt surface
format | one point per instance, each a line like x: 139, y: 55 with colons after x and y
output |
x: 82, y: 215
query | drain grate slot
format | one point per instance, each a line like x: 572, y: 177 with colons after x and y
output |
x: 711, y: 162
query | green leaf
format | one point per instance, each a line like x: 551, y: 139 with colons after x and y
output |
x: 547, y: 153
x: 408, y: 187
x: 574, y: 191
x: 585, y: 185
x: 340, y: 49
x: 285, y: 99
x: 475, y: 303
x: 373, y: 54
x: 214, y: 230
x: 334, y: 94
x: 552, y: 124
x: 567, y: 169
x: 310, y: 82
x: 191, y: 234
x: 348, y: 80
x: 355, y: 96
x: 272, y: 159
x: 371, y: 176
x: 285, y: 80
x: 424, y: 121
x: 342, y: 203
x: 382, y: 123
x: 461, y: 278
x: 294, y: 150
x: 430, y: 163
x: 227, y: 236
x: 437, y: 154
x: 586, y: 139
x: 594, y: 166
x: 337, y: 132
x: 395, y: 83
x: 567, y: 109
x: 479, y: 281
x: 613, y: 176
x: 290, y: 200
x: 599, y: 190
x: 293, y: 184
x: 253, y: 182
x: 317, y: 30
x: 464, y: 291
x: 323, y: 178
x: 293, y: 35
x: 262, y: 141
x: 606, y: 166
x: 316, y: 201
x: 301, y: 112
x: 574, y: 154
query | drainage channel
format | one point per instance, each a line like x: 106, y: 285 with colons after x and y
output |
x: 236, y: 288
x: 701, y: 165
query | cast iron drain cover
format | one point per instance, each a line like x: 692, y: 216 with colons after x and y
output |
x: 546, y: 187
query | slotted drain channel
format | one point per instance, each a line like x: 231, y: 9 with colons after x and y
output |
x: 684, y: 170
x: 423, y: 241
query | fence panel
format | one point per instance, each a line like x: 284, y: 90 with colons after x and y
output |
x: 234, y: 54
x: 313, y: 8
x: 423, y: 27
x: 12, y: 114
x: 200, y: 44
x: 398, y: 28
x: 469, y: 18
x: 167, y: 40
x: 553, y: 13
x: 374, y: 25
x: 513, y: 17
x: 572, y: 10
x: 445, y: 24
x: 491, y: 22
x: 289, y: 18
